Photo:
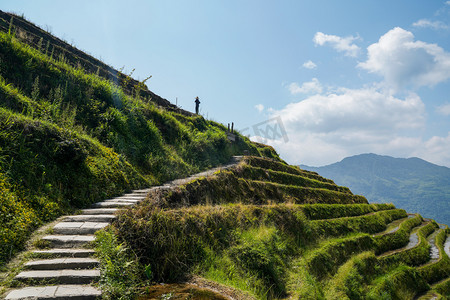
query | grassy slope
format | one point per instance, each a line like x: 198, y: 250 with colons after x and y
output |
x: 227, y: 230
x: 68, y: 139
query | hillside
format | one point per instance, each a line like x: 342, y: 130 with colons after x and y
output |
x: 276, y: 231
x: 54, y: 47
x: 74, y: 140
x: 412, y: 184
x: 69, y: 138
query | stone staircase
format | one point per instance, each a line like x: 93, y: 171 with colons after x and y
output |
x: 68, y: 269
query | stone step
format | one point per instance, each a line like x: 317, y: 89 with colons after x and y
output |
x: 64, y: 253
x: 142, y: 195
x: 90, y: 218
x: 62, y: 263
x: 66, y: 276
x: 132, y: 197
x: 122, y: 200
x: 68, y: 241
x: 142, y: 191
x: 114, y: 204
x: 99, y: 211
x: 78, y: 228
x: 56, y: 292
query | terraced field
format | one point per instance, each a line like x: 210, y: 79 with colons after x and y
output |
x: 258, y: 228
x: 275, y: 231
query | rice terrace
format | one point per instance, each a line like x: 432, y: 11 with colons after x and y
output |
x: 109, y: 191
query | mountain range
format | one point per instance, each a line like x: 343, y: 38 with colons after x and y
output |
x: 412, y: 184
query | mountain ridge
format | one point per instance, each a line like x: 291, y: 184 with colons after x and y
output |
x: 411, y: 183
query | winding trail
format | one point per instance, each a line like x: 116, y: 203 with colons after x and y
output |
x: 434, y: 250
x: 447, y: 246
x: 67, y: 269
x: 413, y: 241
x: 394, y: 225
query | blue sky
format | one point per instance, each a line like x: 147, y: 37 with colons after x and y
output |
x: 332, y: 78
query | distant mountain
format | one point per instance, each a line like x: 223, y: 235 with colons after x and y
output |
x: 412, y: 184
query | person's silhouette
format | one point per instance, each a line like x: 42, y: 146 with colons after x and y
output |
x: 197, y: 104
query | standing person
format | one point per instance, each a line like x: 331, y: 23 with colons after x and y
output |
x: 197, y: 104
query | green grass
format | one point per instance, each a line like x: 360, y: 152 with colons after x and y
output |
x: 402, y: 283
x: 443, y: 287
x: 441, y: 269
x: 325, y: 260
x: 369, y: 223
x: 227, y: 187
x: 242, y: 233
x: 417, y: 255
x: 261, y: 174
x: 183, y: 235
x: 331, y: 211
x: 121, y: 274
x: 399, y: 238
x: 352, y: 278
x: 69, y: 138
x: 256, y: 263
x: 239, y: 241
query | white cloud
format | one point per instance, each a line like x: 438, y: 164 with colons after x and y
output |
x: 259, y: 107
x: 447, y: 2
x: 444, y: 109
x: 338, y: 43
x: 354, y: 110
x: 309, y: 65
x: 323, y: 129
x: 404, y: 62
x: 435, y: 150
x: 309, y: 87
x: 424, y: 23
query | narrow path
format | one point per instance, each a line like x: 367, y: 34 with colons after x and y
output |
x: 434, y: 250
x: 447, y: 246
x: 394, y: 225
x: 67, y: 269
x: 413, y: 241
